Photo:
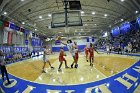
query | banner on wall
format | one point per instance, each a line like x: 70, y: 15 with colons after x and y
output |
x: 35, y: 42
x: 6, y: 24
x: 26, y: 31
x: 5, y: 39
x: 12, y: 26
x: 138, y: 21
x: 134, y: 25
x: 125, y: 28
x: 17, y: 28
x: 115, y: 31
x: 14, y: 38
x: 87, y: 39
x: 92, y: 39
x: 10, y: 34
x: 26, y: 42
x: 57, y: 42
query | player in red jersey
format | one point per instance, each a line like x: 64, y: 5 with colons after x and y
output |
x: 86, y: 49
x: 91, y: 54
x: 61, y: 59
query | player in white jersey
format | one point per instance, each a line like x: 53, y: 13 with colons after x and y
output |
x: 71, y: 48
x: 45, y: 58
x: 76, y: 56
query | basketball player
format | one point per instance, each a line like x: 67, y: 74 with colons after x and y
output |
x: 45, y: 58
x: 70, y: 46
x: 86, y: 52
x: 91, y: 54
x: 3, y: 68
x: 61, y: 59
x: 76, y: 56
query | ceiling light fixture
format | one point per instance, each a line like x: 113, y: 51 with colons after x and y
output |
x: 86, y: 24
x: 82, y: 12
x: 105, y: 15
x: 49, y: 15
x: 122, y: 0
x: 22, y: 0
x: 121, y: 19
x: 5, y: 13
x: 93, y: 13
x: 40, y: 17
x: 136, y: 12
x: 23, y: 23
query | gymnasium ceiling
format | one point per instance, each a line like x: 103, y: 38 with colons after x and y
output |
x: 94, y: 20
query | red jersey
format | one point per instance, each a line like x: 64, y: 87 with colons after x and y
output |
x: 91, y: 51
x: 76, y: 54
x: 86, y: 50
x: 61, y: 55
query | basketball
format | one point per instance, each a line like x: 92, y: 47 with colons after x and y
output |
x: 58, y: 38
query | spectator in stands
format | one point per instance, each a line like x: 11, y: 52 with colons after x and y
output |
x: 129, y: 47
x: 107, y: 48
x: 119, y: 50
x: 3, y: 68
x: 134, y: 46
x: 110, y: 48
x: 30, y: 51
x: 125, y: 49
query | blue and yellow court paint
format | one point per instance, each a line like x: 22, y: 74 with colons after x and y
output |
x: 110, y: 74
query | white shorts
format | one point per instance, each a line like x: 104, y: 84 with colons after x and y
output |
x: 45, y: 59
x: 73, y: 54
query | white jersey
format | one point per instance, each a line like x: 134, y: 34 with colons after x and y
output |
x: 71, y: 48
x: 75, y: 50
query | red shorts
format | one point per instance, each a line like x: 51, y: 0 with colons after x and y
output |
x: 86, y: 53
x: 91, y: 56
x: 62, y: 59
x: 76, y: 57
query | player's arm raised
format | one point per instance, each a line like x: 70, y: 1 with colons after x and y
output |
x: 96, y: 50
x: 63, y: 43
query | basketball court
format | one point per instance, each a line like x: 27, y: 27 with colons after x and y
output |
x: 36, y: 32
x: 104, y: 67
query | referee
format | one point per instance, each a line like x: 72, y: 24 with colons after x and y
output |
x: 3, y: 68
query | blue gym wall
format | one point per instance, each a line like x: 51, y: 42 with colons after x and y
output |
x: 80, y: 42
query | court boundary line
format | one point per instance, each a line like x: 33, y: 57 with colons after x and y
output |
x: 1, y: 90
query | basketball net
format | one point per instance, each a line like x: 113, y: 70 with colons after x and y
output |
x: 67, y: 30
